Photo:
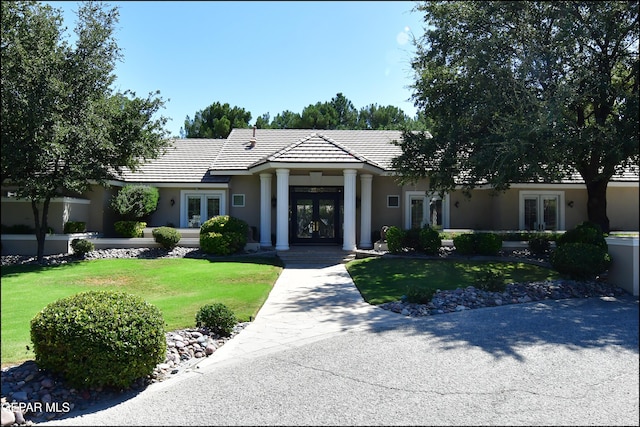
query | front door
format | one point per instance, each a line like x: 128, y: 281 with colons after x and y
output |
x: 315, y: 215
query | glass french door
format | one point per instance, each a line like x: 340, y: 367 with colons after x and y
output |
x: 200, y: 208
x: 315, y: 217
x: 541, y: 212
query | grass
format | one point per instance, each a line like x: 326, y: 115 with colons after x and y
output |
x: 381, y: 280
x: 177, y: 286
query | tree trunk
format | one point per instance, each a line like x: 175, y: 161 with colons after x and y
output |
x: 597, y: 203
x: 41, y: 226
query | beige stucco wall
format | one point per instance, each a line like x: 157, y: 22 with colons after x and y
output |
x: 381, y: 214
x: 622, y: 207
x: 475, y: 212
x: 250, y: 213
x: 61, y: 210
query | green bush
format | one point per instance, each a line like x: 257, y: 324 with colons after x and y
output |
x: 539, y: 245
x: 130, y: 228
x: 464, y: 244
x: 487, y: 243
x: 218, y: 318
x: 477, y: 243
x: 167, y: 237
x: 99, y: 338
x: 17, y: 229
x: 81, y: 246
x: 411, y: 239
x: 75, y: 227
x: 582, y: 261
x: 490, y: 280
x: 135, y: 202
x: 395, y: 239
x: 430, y: 241
x: 419, y: 295
x: 223, y: 235
x: 587, y: 232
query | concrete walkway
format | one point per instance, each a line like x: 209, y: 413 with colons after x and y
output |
x: 308, y: 303
x: 317, y: 354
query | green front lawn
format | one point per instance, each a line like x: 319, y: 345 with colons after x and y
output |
x: 383, y: 280
x: 177, y: 286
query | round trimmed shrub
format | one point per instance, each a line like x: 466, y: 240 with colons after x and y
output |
x: 539, y: 245
x: 430, y: 241
x: 490, y: 280
x: 216, y: 317
x: 464, y: 244
x: 135, y: 201
x: 167, y: 237
x: 74, y: 227
x: 223, y: 235
x: 418, y: 295
x: 582, y: 261
x: 99, y: 338
x: 395, y: 239
x: 130, y: 228
x: 487, y: 243
x: 411, y: 238
x: 587, y: 232
x: 81, y: 246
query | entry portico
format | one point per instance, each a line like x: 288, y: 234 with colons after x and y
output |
x: 316, y: 196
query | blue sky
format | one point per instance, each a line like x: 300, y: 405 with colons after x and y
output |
x: 263, y: 56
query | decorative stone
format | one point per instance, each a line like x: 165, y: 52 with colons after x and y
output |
x: 8, y: 417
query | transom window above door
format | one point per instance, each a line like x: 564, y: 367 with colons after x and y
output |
x: 199, y: 206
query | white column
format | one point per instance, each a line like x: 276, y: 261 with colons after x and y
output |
x: 365, y: 211
x: 282, y: 210
x: 349, y: 230
x: 265, y: 209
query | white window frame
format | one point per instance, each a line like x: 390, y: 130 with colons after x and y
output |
x: 410, y: 195
x: 233, y: 200
x: 542, y: 193
x: 397, y: 197
x: 203, y: 194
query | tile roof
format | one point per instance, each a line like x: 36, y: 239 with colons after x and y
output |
x: 190, y: 160
x: 306, y: 146
x: 185, y: 161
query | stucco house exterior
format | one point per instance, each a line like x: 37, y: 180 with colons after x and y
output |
x: 331, y: 187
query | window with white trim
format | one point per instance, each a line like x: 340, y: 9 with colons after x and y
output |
x: 426, y: 209
x: 237, y: 200
x: 199, y: 206
x: 541, y: 210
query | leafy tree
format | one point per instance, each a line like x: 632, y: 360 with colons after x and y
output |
x: 347, y: 113
x: 319, y: 116
x: 382, y: 118
x: 525, y: 91
x: 262, y: 122
x: 216, y: 121
x: 286, y: 120
x: 62, y: 126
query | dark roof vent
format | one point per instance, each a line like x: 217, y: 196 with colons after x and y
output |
x: 252, y: 141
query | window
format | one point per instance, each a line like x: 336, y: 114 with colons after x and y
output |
x: 393, y: 201
x: 426, y: 209
x: 199, y: 206
x: 237, y: 200
x: 541, y: 210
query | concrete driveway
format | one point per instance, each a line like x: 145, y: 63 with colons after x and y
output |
x: 318, y: 355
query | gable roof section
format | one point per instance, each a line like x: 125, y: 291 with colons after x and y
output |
x: 185, y: 161
x: 305, y: 146
x: 314, y: 148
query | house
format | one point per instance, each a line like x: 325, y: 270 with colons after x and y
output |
x: 335, y: 187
